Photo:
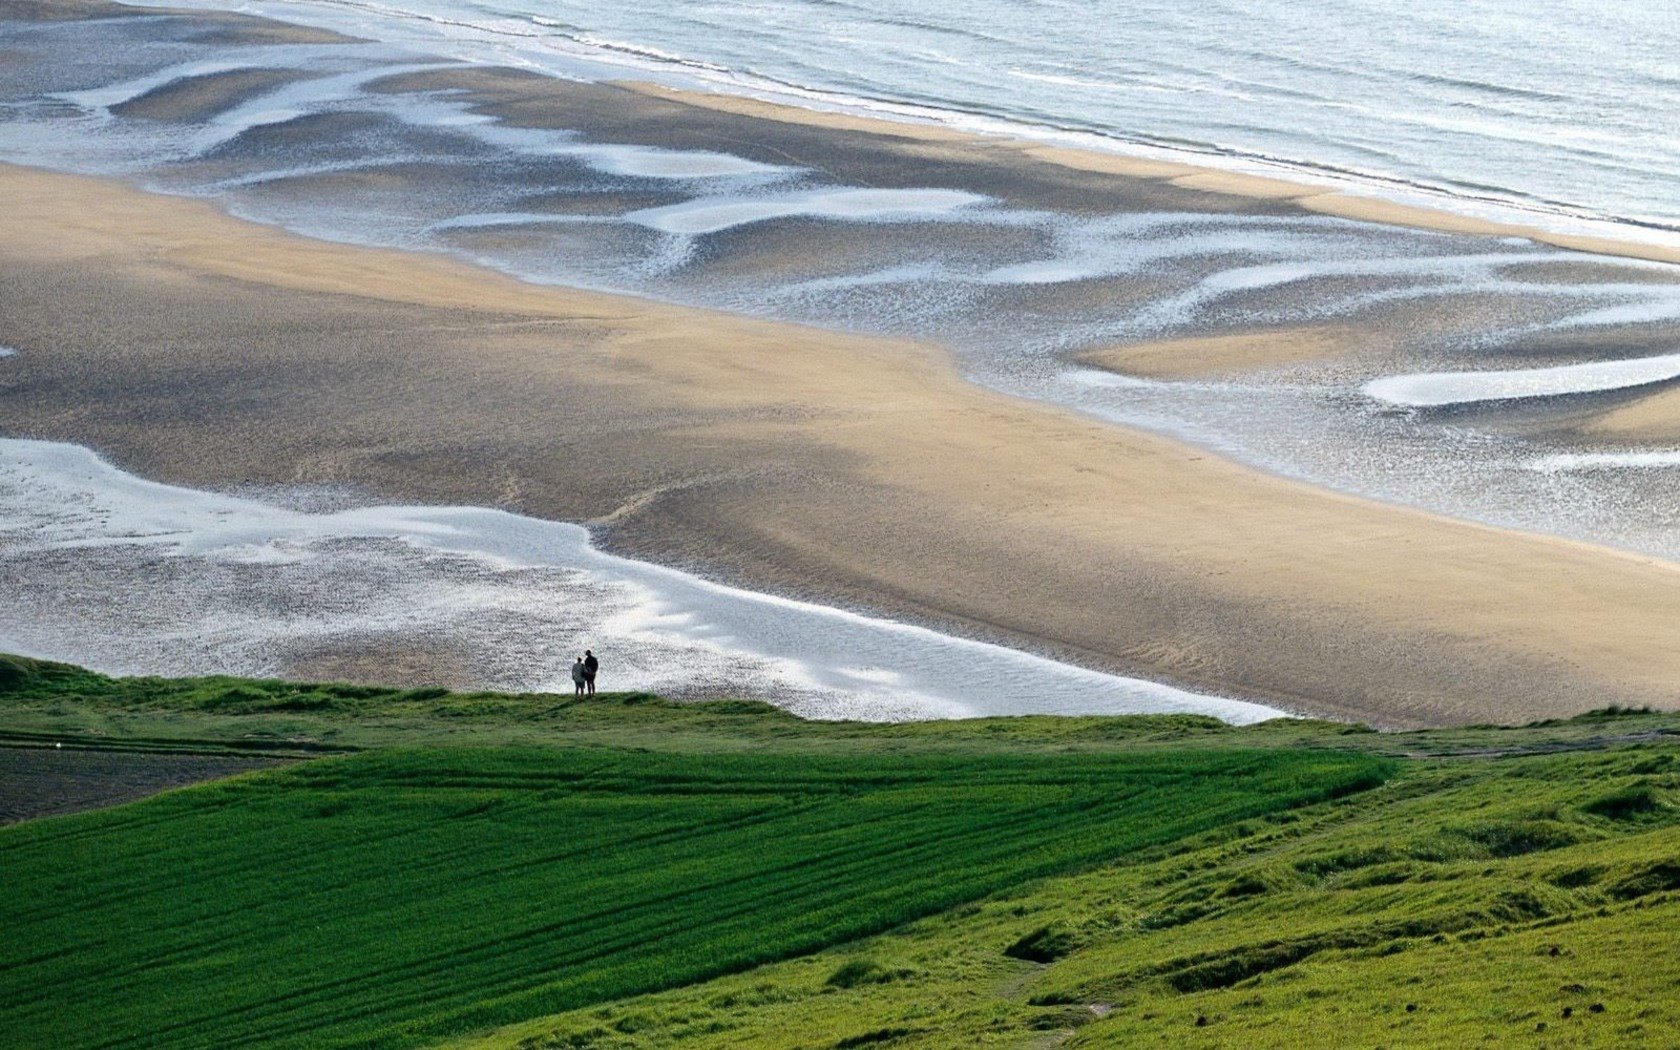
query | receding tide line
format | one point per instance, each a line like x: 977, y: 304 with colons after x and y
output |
x: 1429, y: 389
x: 1654, y: 459
x: 189, y: 581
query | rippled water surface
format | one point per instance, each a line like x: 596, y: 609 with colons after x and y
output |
x: 1560, y: 108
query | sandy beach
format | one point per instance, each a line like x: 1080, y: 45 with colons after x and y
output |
x: 885, y: 472
x: 208, y: 351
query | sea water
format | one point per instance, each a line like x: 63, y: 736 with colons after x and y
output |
x: 1550, y: 110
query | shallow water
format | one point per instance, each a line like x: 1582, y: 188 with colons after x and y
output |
x: 135, y: 577
x: 1556, y: 110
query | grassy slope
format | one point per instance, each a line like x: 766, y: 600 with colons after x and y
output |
x: 1488, y: 901
x: 44, y: 702
x: 405, y: 894
x: 1500, y: 880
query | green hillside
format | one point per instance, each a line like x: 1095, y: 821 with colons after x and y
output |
x: 394, y: 896
x: 626, y: 872
x: 1522, y: 900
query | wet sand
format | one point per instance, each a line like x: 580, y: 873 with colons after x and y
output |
x: 1212, y: 183
x: 202, y: 350
x: 220, y: 27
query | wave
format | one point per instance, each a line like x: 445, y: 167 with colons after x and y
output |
x: 1487, y: 86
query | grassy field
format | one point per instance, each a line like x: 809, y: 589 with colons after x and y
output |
x: 48, y: 703
x: 395, y: 896
x: 628, y: 873
x: 1528, y: 900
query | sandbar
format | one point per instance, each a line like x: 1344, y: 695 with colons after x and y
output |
x: 1199, y: 357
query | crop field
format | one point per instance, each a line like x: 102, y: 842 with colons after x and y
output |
x: 1510, y: 899
x: 396, y: 897
x: 539, y: 873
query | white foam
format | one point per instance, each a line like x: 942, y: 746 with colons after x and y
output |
x: 1106, y: 380
x: 304, y: 171
x: 440, y: 110
x: 649, y: 162
x: 713, y: 214
x: 910, y: 273
x: 1431, y: 389
x: 1272, y: 275
x: 188, y: 581
x: 6, y: 351
x: 1571, y: 461
x: 1093, y: 248
x: 490, y: 220
x: 298, y: 99
x: 129, y: 90
x: 1663, y: 304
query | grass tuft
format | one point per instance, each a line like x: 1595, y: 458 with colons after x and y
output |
x: 1629, y: 803
x: 1043, y: 945
x: 859, y: 972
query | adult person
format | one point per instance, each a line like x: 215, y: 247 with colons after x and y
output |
x: 578, y: 676
x: 590, y: 666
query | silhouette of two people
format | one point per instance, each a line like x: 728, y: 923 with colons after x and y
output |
x: 583, y: 673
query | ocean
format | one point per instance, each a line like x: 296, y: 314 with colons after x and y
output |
x: 1556, y: 112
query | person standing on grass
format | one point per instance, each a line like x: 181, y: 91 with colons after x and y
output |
x: 579, y: 676
x: 590, y: 666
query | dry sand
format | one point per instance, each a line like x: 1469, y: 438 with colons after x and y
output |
x: 196, y: 348
x: 1200, y: 357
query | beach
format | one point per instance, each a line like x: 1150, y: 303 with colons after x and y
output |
x: 210, y: 352
x: 1244, y: 436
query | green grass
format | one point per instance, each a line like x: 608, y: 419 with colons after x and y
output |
x: 398, y: 896
x: 47, y: 702
x: 639, y: 874
x: 1491, y: 895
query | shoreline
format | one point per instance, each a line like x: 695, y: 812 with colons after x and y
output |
x: 762, y: 453
x: 654, y: 624
x: 1286, y: 188
x: 1298, y: 185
